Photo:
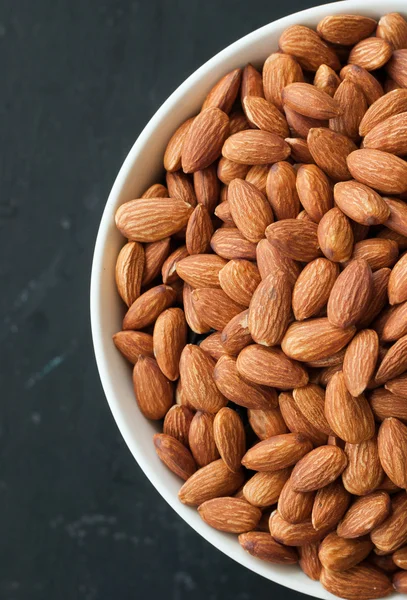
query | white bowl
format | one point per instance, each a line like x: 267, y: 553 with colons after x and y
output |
x: 142, y: 167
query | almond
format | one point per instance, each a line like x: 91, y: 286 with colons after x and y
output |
x: 222, y: 211
x: 213, y: 346
x: 232, y: 515
x: 299, y: 124
x: 380, y: 170
x: 293, y: 534
x: 392, y: 325
x: 385, y: 563
x: 397, y: 67
x: 350, y: 417
x: 360, y: 361
x: 173, y: 152
x: 133, y: 344
x: 279, y: 70
x: 214, y: 480
x: 174, y: 455
x: 152, y: 219
x: 360, y: 203
x: 129, y: 271
x: 297, y: 422
x: 386, y: 403
x: 252, y: 83
x: 398, y: 386
x: 315, y: 339
x: 379, y: 297
x: 392, y: 444
x: 309, y: 561
x: 390, y: 85
x: 154, y: 393
x: 145, y: 310
x: 177, y: 423
x: 224, y: 92
x: 400, y: 582
x: 239, y: 280
x: 244, y: 198
x: 266, y: 423
x: 293, y: 506
x: 335, y: 236
x: 229, y: 170
x: 392, y: 533
x: 270, y: 366
x: 255, y: 147
x: 239, y: 391
x: 204, y: 139
x: 353, y: 105
x: 264, y: 115
x: 389, y: 105
x: 196, y: 370
x: 270, y: 309
x: 362, y: 582
x: 237, y: 122
x: 326, y: 80
x: 157, y: 190
x: 318, y: 468
x: 369, y: 84
x: 170, y: 335
x: 308, y: 48
x: 282, y: 192
x: 345, y: 29
x: 326, y: 375
x: 395, y: 361
x: 201, y: 439
x: 378, y: 253
x: 236, y: 335
x: 314, y: 191
x: 364, y: 472
x: 339, y: 554
x: 350, y: 294
x: 269, y: 259
x: 300, y: 152
x: 309, y: 101
x: 180, y: 186
x: 370, y: 53
x: 277, y: 452
x: 364, y: 515
x: 230, y: 437
x: 397, y: 287
x: 261, y: 545
x: 329, y: 361
x: 201, y: 270
x: 295, y: 238
x: 398, y: 216
x: 310, y: 400
x: 313, y: 287
x: 330, y: 150
x: 330, y: 505
x: 192, y: 317
x: 389, y: 135
x: 169, y: 269
x: 264, y: 489
x: 388, y: 234
x: 199, y: 231
x: 393, y: 28
x: 215, y: 308
x: 207, y: 187
x: 257, y: 176
x: 229, y: 243
x: 400, y: 558
x: 155, y: 254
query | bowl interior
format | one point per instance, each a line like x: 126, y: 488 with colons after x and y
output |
x: 142, y: 167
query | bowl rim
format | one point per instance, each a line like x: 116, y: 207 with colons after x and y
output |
x: 314, y: 13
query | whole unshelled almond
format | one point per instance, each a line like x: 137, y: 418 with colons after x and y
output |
x: 180, y: 186
x: 277, y: 452
x: 350, y: 294
x: 155, y: 253
x: 362, y: 582
x: 229, y: 243
x: 282, y: 192
x: 400, y: 582
x: 201, y: 270
x: 330, y: 505
x: 261, y: 545
x: 133, y: 344
x: 378, y: 253
x: 279, y: 70
x: 215, y: 307
x: 129, y: 271
x: 308, y: 48
x: 207, y: 187
x: 270, y: 309
x: 397, y: 287
x: 398, y: 386
x: 386, y: 403
x: 397, y: 67
x: 169, y: 268
x: 264, y: 489
x: 345, y: 29
x: 314, y: 191
x: 173, y: 152
x: 309, y: 561
x: 214, y: 480
x: 224, y: 92
x: 252, y: 83
x: 313, y: 287
x: 389, y: 135
x: 267, y: 423
x: 297, y: 422
x: 199, y: 231
x: 335, y: 235
x: 196, y: 369
x: 392, y: 444
x: 230, y: 437
x: 330, y: 150
x: 293, y: 506
x: 353, y: 104
x: 318, y: 468
x: 264, y: 115
x: 310, y: 399
x: 269, y: 259
x: 157, y: 190
x: 300, y: 124
x: 326, y: 80
x: 177, y: 423
x: 174, y: 455
x: 270, y: 366
x: 296, y: 239
x: 300, y: 152
x: 236, y: 335
x: 201, y: 439
x: 370, y: 85
x: 257, y: 176
x: 229, y: 170
x: 400, y: 558
x: 255, y: 147
x: 152, y: 219
x: 340, y: 554
x: 170, y: 335
x: 361, y: 203
x: 309, y: 101
x: 398, y: 216
x: 380, y: 170
x: 222, y: 211
x: 204, y: 139
x: 365, y: 514
x: 350, y: 418
x: 370, y: 53
x: 379, y: 297
x: 364, y: 472
x: 244, y: 198
x: 395, y: 361
x: 293, y: 534
x: 192, y: 317
x: 239, y: 279
x: 315, y: 339
x: 360, y: 361
x: 145, y: 310
x: 233, y: 515
x: 393, y: 28
x: 154, y: 393
x: 387, y: 106
x: 392, y: 533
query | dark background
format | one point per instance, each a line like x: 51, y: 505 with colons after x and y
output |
x: 79, y: 80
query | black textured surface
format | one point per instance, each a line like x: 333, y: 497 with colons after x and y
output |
x: 79, y: 81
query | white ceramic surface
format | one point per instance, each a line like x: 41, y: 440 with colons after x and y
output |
x: 142, y: 167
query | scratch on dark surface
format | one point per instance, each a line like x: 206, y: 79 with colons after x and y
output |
x: 46, y: 370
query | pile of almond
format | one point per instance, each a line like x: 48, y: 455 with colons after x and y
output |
x: 266, y: 288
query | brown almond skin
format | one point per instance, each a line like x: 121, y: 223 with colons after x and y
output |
x: 398, y: 216
x: 350, y: 418
x: 129, y: 271
x: 229, y: 244
x: 370, y: 85
x: 174, y: 455
x: 330, y: 505
x: 201, y: 439
x: 270, y: 366
x: 215, y: 307
x: 392, y: 445
x: 177, y: 422
x: 393, y: 28
x: 264, y: 489
x: 390, y: 178
x: 392, y: 103
x: 400, y: 558
x: 252, y: 83
x: 233, y: 515
x: 299, y: 124
x: 239, y: 280
x: 330, y: 151
x: 192, y: 317
x: 385, y: 563
x: 364, y: 472
x: 395, y: 361
x: 236, y: 335
x: 360, y: 203
x: 269, y: 259
x: 310, y: 400
x: 398, y: 386
x: 378, y: 299
x: 199, y: 231
x: 388, y: 234
x: 224, y: 92
x: 157, y: 190
x: 309, y: 561
x: 350, y: 294
x: 362, y: 582
x: 335, y: 236
x: 196, y: 370
x: 266, y: 423
x: 320, y: 467
x: 180, y: 186
x: 378, y: 253
x: 204, y: 139
x: 279, y: 70
x: 270, y: 309
x: 155, y: 253
x: 132, y: 344
x: 282, y: 192
x: 315, y: 339
x: 339, y: 554
x: 154, y: 393
x: 293, y: 506
x: 312, y: 288
x: 230, y: 438
x: 296, y: 239
x: 386, y: 404
x: 397, y: 287
x: 170, y: 337
x: 257, y: 175
x: 314, y: 191
x: 255, y: 147
x: 308, y: 48
x: 300, y: 152
x: 392, y: 533
x: 201, y: 270
x: 266, y: 116
x: 400, y: 582
x: 389, y: 135
x: 209, y: 482
x: 229, y: 170
x: 263, y: 546
x: 169, y: 269
x: 212, y: 345
x: 243, y: 197
x: 207, y: 187
x: 309, y: 101
x: 173, y: 152
x: 396, y: 67
x: 360, y: 361
x: 277, y: 452
x: 297, y: 422
x: 293, y: 534
x: 365, y: 514
x: 370, y: 53
x: 326, y: 80
x: 145, y: 310
x: 345, y: 29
